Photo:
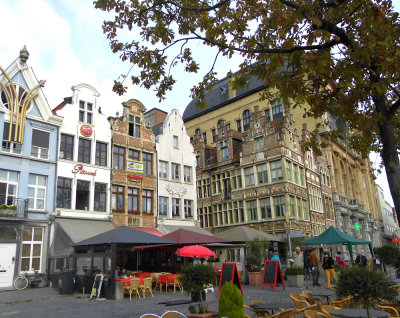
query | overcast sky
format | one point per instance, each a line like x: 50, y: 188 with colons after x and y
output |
x: 67, y: 47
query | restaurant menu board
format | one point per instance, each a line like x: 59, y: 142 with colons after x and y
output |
x: 96, y: 289
x: 272, y: 275
x: 229, y: 273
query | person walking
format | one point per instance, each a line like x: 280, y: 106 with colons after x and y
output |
x: 315, y: 269
x: 361, y: 260
x: 298, y: 258
x: 327, y: 265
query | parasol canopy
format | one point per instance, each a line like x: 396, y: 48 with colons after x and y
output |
x: 195, y: 251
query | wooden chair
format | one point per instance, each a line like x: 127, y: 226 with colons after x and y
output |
x: 260, y: 312
x: 328, y: 308
x: 132, y: 288
x: 174, y: 281
x: 150, y: 316
x: 299, y: 303
x: 147, y: 285
x: 315, y: 314
x: 391, y: 310
x: 310, y: 299
x: 173, y: 314
x: 287, y: 313
x: 297, y: 311
x: 342, y: 303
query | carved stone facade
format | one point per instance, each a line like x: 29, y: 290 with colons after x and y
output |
x: 134, y: 177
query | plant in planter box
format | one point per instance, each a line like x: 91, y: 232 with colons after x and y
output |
x: 295, y: 276
x: 195, y: 278
x: 230, y: 302
x: 256, y: 252
x: 368, y: 287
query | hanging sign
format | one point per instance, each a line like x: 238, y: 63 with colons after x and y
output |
x: 86, y: 130
x: 134, y: 177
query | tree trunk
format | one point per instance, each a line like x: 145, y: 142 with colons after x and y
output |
x: 391, y: 162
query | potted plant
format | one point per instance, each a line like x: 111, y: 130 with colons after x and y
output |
x: 295, y: 276
x: 194, y: 279
x: 367, y: 287
x: 256, y: 252
x: 230, y: 302
x: 8, y: 209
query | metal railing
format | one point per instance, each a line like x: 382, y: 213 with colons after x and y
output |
x: 12, y: 207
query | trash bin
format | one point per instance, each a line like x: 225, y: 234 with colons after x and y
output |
x: 66, y: 282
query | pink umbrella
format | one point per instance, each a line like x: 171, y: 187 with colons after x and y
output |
x: 195, y: 251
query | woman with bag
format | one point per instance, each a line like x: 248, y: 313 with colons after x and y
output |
x: 327, y: 265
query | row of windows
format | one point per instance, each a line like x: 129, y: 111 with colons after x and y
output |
x: 82, y: 195
x: 39, y: 146
x: 37, y: 185
x: 84, y: 150
x: 175, y: 171
x: 175, y: 206
x: 131, y: 199
x: 243, y: 125
x: 254, y: 210
x: 119, y: 159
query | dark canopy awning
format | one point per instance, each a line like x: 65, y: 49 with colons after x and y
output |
x: 246, y: 234
x: 183, y: 236
x: 333, y: 236
x: 125, y: 235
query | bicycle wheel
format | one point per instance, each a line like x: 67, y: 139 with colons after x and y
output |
x: 20, y: 283
x: 43, y: 281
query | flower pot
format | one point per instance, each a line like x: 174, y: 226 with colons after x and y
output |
x: 255, y: 278
x: 295, y: 280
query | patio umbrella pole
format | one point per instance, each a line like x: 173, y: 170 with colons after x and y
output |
x: 137, y: 260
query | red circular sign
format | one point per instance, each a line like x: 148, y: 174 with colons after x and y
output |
x: 86, y: 130
x: 395, y: 240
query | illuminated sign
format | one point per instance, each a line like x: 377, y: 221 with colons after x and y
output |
x: 79, y: 169
x: 86, y: 130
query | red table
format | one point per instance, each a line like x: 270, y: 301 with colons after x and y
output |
x: 127, y: 281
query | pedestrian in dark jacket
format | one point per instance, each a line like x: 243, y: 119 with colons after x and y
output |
x: 327, y: 265
x: 315, y: 269
x: 361, y: 260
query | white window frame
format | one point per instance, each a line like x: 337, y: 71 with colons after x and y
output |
x: 36, y: 188
x: 40, y: 152
x: 31, y: 243
x: 8, y: 182
x: 85, y: 111
x: 176, y: 205
x: 188, y: 207
x: 187, y: 174
x: 163, y: 169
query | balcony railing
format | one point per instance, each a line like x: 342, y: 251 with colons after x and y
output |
x: 12, y: 207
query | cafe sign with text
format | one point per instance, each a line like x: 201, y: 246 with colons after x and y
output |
x: 79, y: 169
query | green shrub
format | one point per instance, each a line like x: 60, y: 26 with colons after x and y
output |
x: 256, y: 252
x: 368, y: 287
x: 337, y: 268
x: 388, y: 254
x: 295, y: 270
x: 230, y: 302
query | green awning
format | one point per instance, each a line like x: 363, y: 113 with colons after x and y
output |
x: 333, y: 236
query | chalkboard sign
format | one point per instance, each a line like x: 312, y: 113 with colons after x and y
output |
x: 272, y: 275
x: 229, y: 273
x: 96, y: 289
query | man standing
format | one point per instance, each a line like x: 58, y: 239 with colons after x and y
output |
x: 315, y: 269
x: 361, y: 260
x: 298, y: 258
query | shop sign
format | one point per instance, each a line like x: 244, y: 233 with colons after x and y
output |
x: 86, y: 130
x: 79, y: 169
x: 134, y: 177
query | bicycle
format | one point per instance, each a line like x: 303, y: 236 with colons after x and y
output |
x: 307, y: 274
x: 24, y: 279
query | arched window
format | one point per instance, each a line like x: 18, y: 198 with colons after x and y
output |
x: 7, y: 233
x: 246, y: 119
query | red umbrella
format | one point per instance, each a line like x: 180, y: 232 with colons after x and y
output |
x: 195, y: 251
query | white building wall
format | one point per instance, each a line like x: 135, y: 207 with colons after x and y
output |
x: 183, y: 155
x: 389, y: 223
x: 101, y: 132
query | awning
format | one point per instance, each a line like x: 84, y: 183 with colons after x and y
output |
x: 184, y: 236
x: 166, y: 229
x: 150, y: 230
x: 70, y: 231
x: 246, y: 234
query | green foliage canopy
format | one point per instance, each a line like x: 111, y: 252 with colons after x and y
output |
x: 336, y: 56
x: 256, y: 252
x: 388, y: 254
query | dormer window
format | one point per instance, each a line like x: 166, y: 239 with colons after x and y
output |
x: 134, y: 126
x: 85, y: 112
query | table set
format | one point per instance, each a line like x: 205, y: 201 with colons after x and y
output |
x: 359, y: 313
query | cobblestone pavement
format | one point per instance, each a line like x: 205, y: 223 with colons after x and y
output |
x: 46, y: 302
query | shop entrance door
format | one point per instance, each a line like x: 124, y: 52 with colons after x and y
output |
x: 7, y: 263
